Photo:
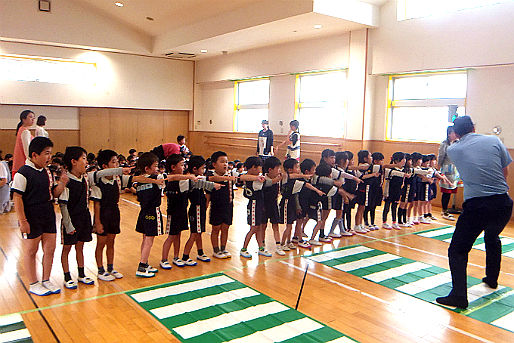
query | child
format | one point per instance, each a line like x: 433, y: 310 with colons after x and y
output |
x: 407, y: 195
x: 293, y: 141
x: 184, y: 150
x: 5, y: 189
x: 106, y: 195
x: 34, y: 208
x: 363, y: 191
x: 238, y: 170
x: 256, y: 209
x: 197, y: 210
x: 342, y: 197
x: 375, y: 190
x: 271, y: 168
x: 76, y: 227
x: 392, y: 190
x: 432, y: 163
x: 177, y: 189
x: 222, y: 204
x: 350, y: 186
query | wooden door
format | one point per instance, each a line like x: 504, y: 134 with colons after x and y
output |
x: 94, y: 129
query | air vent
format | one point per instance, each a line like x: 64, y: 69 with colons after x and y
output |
x: 181, y: 55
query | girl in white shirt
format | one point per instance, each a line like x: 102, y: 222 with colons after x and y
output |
x: 40, y: 130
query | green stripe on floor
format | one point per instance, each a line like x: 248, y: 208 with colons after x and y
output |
x: 13, y: 329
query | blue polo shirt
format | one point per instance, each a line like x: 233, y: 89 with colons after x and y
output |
x: 480, y: 161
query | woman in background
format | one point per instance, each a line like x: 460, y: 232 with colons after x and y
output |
x: 448, y: 169
x: 23, y: 138
x: 40, y: 130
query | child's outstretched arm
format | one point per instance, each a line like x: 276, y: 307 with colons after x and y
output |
x: 178, y: 177
x: 63, y: 181
x: 312, y: 188
x: 222, y: 178
x: 144, y: 179
x: 248, y: 177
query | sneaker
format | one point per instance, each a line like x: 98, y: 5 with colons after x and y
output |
x: 448, y: 216
x: 116, y: 274
x: 432, y: 217
x: 203, y: 258
x: 325, y: 239
x: 291, y: 245
x: 295, y: 240
x: 178, y: 262
x: 285, y: 247
x: 279, y: 250
x: 38, y: 289
x: 347, y: 233
x: 152, y: 269
x: 70, y: 284
x: 105, y: 276
x: 360, y: 229
x: 264, y: 253
x: 51, y: 287
x: 165, y: 265
x: 86, y: 280
x: 425, y: 221
x: 335, y: 235
x: 415, y: 222
x: 304, y: 244
x: 219, y: 254
x: 386, y: 226
x: 145, y: 273
x: 227, y: 254
x: 304, y: 235
x: 375, y: 227
x: 315, y: 242
x: 244, y: 253
x: 405, y: 225
x: 190, y: 262
x: 396, y: 226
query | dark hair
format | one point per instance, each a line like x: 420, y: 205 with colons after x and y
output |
x: 341, y: 156
x: 195, y: 161
x: 131, y: 151
x: 408, y: 157
x: 349, y: 153
x: 290, y: 163
x: 397, y: 156
x: 37, y: 145
x: 239, y: 165
x: 173, y: 160
x: 377, y: 156
x: 41, y: 120
x: 327, y: 153
x: 90, y: 157
x: 23, y: 115
x: 237, y: 161
x: 361, y: 155
x: 104, y: 156
x: 216, y: 155
x: 416, y: 156
x: 449, y: 130
x: 463, y: 125
x: 179, y: 138
x: 146, y: 160
x: 294, y: 123
x: 425, y: 158
x: 270, y: 163
x: 7, y: 156
x: 59, y: 154
x: 323, y: 170
x: 72, y: 153
x: 253, y: 161
x: 431, y: 157
x: 306, y: 165
x: 230, y: 163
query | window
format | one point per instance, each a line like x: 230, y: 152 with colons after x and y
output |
x: 422, y: 106
x: 409, y: 9
x: 251, y: 107
x: 40, y: 69
x: 321, y: 103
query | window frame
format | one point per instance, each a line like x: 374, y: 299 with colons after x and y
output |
x: 435, y: 102
x: 238, y: 107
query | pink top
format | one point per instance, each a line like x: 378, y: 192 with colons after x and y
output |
x: 21, y: 151
x: 170, y: 148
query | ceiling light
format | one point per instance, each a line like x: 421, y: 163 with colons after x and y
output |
x: 318, y: 26
x: 203, y: 51
x: 119, y: 4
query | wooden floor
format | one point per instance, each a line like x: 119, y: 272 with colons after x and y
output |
x: 363, y: 310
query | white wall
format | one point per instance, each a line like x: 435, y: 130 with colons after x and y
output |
x: 60, y: 118
x: 123, y: 80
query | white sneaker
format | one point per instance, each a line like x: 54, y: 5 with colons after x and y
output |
x: 38, y: 289
x: 405, y: 225
x: 116, y: 274
x: 51, y: 287
x: 285, y: 247
x: 304, y: 235
x: 304, y: 244
x: 325, y: 239
x: 245, y: 254
x: 203, y: 258
x: 291, y: 245
x: 106, y: 277
x: 165, y: 265
x: 264, y: 253
x: 86, y: 280
x: 335, y: 235
x: 424, y: 220
x: 219, y: 254
x: 189, y: 262
x: 360, y: 229
x: 145, y: 273
x: 346, y: 233
x: 71, y: 284
x: 178, y: 262
x: 448, y: 216
x: 396, y: 226
x: 386, y: 226
x: 279, y: 251
x: 227, y: 254
x: 315, y: 242
x: 152, y: 269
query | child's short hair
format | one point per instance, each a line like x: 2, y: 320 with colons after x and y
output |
x: 408, y: 157
x: 323, y: 170
x: 349, y: 154
x: 146, y: 160
x: 217, y: 155
x: 173, y: 160
x: 327, y: 153
x: 397, y: 156
x: 230, y: 163
x: 8, y: 156
x: 290, y: 163
x: 432, y: 157
x: 341, y: 156
x: 270, y: 163
x: 306, y: 165
x: 195, y: 161
x: 361, y: 155
x: 41, y: 120
x: 179, y: 138
x: 239, y: 165
x: 237, y: 161
x: 72, y: 153
x: 377, y: 156
x: 294, y: 123
x: 104, y: 156
x: 131, y: 151
x: 253, y: 161
x: 90, y: 157
x: 37, y: 145
x: 416, y: 156
x: 425, y: 158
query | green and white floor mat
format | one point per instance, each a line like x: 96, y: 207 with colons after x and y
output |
x: 13, y: 329
x: 217, y: 308
x: 445, y: 234
x: 423, y: 281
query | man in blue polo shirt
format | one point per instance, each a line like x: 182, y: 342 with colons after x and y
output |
x: 482, y: 162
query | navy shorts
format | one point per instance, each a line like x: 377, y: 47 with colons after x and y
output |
x: 256, y: 214
x: 423, y: 192
x: 271, y: 212
x: 83, y: 230
x: 197, y: 218
x: 287, y: 211
x: 149, y: 222
x: 41, y: 220
x: 110, y: 219
x: 221, y: 215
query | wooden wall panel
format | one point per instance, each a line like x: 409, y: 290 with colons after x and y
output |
x: 123, y: 130
x: 150, y: 129
x: 94, y: 128
x: 60, y: 138
x: 175, y: 123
